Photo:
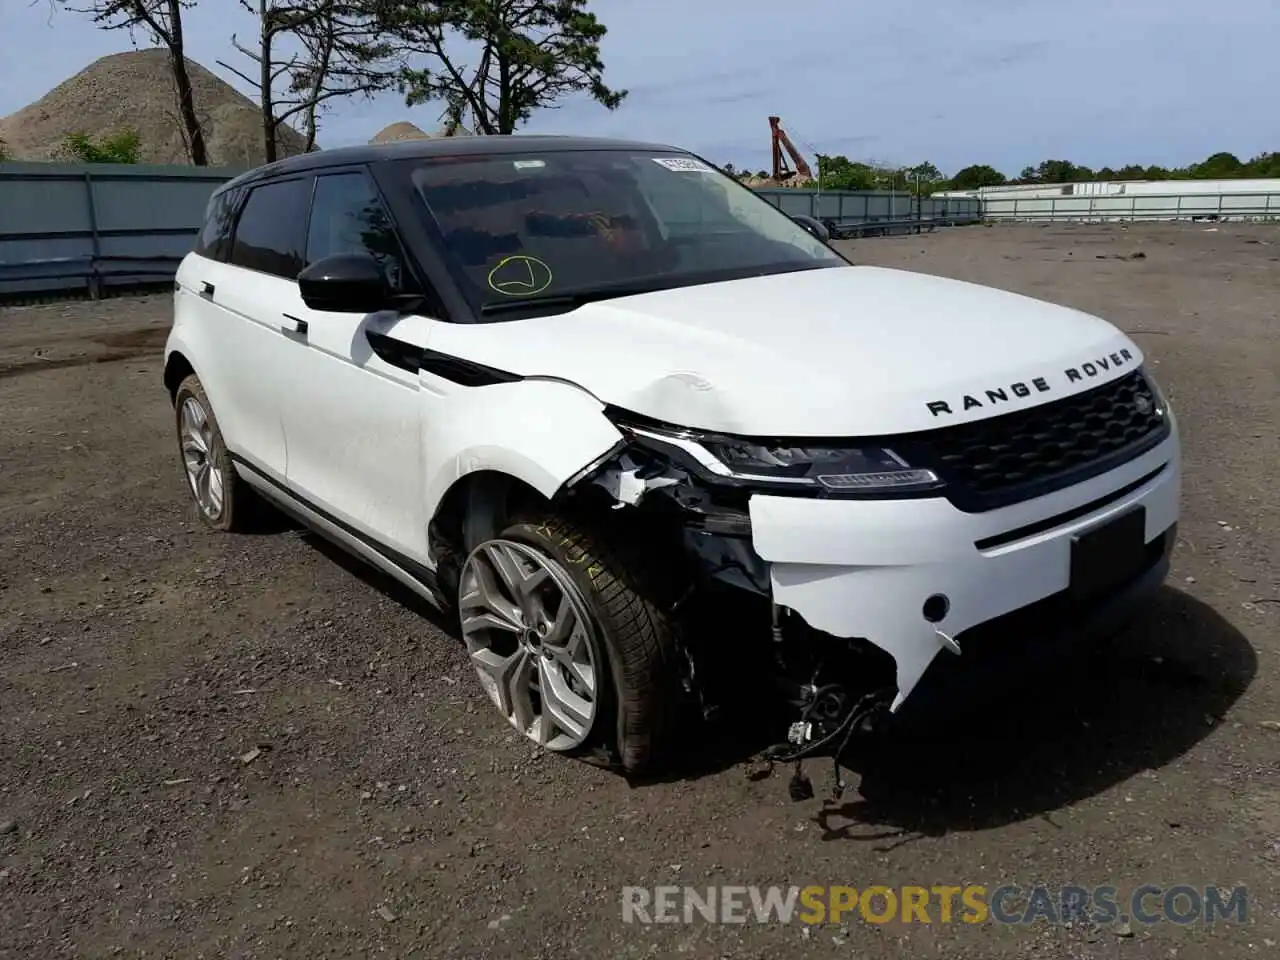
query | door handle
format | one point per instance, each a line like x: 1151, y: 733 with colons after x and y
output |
x: 294, y: 325
x: 206, y: 290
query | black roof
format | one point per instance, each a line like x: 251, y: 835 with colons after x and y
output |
x: 479, y: 146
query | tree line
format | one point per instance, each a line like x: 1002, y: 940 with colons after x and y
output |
x: 492, y: 63
x: 841, y: 173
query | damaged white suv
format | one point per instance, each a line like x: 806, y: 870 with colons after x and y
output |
x: 651, y: 438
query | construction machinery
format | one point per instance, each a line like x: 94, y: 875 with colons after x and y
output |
x: 781, y: 142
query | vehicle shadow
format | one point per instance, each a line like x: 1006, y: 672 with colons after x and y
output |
x: 1136, y: 703
x: 384, y: 584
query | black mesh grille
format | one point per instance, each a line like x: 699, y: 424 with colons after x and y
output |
x: 1016, y: 456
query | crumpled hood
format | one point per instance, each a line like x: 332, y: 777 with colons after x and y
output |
x: 847, y: 351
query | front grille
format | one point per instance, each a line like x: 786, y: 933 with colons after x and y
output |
x: 1002, y: 460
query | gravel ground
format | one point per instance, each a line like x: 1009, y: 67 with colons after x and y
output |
x: 248, y: 746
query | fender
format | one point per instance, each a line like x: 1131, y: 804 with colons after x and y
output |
x: 542, y: 432
x: 178, y: 342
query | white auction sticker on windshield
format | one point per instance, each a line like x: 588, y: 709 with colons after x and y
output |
x: 529, y: 164
x: 682, y: 164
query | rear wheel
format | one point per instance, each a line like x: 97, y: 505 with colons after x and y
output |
x: 223, y: 500
x: 568, y: 641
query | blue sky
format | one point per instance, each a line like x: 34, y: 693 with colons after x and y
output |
x: 1005, y: 82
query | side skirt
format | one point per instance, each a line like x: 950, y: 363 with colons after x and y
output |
x: 405, y: 570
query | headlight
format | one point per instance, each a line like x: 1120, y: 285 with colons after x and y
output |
x: 853, y: 470
x: 1161, y: 401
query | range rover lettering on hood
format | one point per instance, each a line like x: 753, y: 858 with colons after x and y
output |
x: 1023, y: 388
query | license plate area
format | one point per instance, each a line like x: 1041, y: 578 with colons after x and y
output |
x: 1105, y: 557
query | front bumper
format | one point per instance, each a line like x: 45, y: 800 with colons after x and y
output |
x: 865, y: 568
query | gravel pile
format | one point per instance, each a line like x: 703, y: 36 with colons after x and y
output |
x: 404, y: 130
x: 135, y: 90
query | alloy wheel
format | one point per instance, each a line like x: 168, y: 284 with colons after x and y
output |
x: 532, y: 642
x: 199, y: 457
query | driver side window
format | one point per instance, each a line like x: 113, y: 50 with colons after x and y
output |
x: 347, y: 216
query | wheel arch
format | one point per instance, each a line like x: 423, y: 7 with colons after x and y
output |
x: 491, y: 449
x: 477, y: 504
x: 176, y: 369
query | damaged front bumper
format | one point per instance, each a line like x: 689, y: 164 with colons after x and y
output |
x: 919, y: 577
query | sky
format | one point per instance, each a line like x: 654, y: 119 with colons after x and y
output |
x: 954, y: 82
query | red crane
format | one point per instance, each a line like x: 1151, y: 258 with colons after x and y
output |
x: 782, y: 142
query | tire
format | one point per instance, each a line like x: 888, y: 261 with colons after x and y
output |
x: 236, y: 508
x: 631, y: 639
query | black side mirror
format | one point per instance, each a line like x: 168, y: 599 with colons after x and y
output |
x: 816, y: 227
x: 345, y: 283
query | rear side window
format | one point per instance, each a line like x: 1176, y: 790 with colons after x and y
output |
x: 271, y: 230
x: 214, y: 240
x: 347, y: 216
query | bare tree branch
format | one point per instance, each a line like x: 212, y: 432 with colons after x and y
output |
x: 227, y: 66
x: 334, y: 50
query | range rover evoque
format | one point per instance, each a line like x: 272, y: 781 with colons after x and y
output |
x: 650, y: 438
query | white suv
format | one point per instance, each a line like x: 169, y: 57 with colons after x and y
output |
x: 650, y: 437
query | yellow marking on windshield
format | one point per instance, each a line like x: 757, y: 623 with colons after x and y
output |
x: 520, y: 276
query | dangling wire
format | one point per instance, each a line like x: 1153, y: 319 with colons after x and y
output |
x: 799, y: 787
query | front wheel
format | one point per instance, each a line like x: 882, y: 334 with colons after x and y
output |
x: 568, y: 641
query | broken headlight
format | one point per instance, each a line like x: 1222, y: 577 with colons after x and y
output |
x: 852, y: 470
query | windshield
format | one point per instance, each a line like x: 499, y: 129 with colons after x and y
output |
x: 558, y: 225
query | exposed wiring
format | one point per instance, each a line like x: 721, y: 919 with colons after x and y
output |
x: 799, y: 787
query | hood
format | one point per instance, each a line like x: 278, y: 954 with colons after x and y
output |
x: 846, y: 351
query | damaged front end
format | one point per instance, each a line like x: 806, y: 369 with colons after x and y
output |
x: 693, y: 511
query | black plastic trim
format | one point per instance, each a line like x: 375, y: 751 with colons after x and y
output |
x: 1048, y: 523
x: 464, y: 372
x: 397, y: 353
x: 406, y: 356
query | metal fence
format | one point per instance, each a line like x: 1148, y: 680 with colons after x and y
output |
x: 91, y: 227
x: 873, y: 211
x: 1137, y: 206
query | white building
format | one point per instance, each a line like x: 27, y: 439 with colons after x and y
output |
x: 1118, y: 188
x: 1102, y: 200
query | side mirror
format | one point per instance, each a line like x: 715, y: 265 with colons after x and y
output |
x: 815, y: 227
x: 345, y: 283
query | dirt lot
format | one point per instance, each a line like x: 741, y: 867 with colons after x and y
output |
x: 389, y: 812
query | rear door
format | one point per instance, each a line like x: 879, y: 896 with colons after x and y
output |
x: 256, y: 290
x: 350, y: 402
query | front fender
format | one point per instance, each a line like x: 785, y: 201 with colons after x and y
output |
x: 542, y: 432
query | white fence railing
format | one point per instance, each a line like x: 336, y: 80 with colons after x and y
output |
x: 1171, y: 206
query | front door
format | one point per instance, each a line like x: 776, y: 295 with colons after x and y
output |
x: 352, y: 419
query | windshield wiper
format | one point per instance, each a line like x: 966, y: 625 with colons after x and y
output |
x: 567, y: 299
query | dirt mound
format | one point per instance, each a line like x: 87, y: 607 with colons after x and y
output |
x: 400, y: 130
x: 135, y: 91
x: 404, y: 130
